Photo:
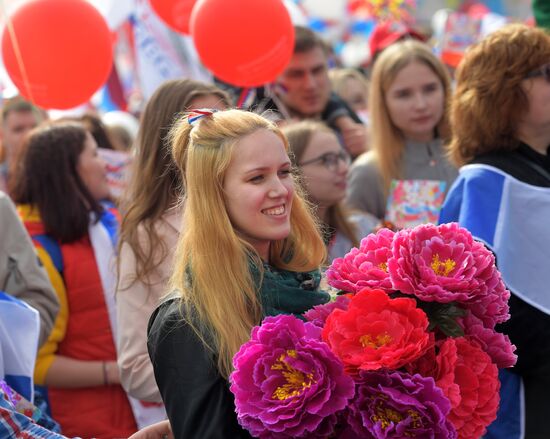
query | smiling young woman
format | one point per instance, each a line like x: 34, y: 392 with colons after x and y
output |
x: 250, y: 248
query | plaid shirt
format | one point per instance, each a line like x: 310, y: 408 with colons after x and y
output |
x: 13, y: 423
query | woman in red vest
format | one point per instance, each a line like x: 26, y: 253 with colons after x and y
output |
x: 58, y: 189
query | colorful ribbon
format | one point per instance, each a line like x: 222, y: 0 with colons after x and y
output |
x: 195, y: 115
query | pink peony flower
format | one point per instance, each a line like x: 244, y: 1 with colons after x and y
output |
x: 497, y: 345
x: 469, y: 380
x: 364, y: 267
x: 445, y: 264
x: 492, y: 308
x: 319, y: 313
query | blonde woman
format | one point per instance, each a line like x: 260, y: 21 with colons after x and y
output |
x: 353, y: 87
x: 323, y: 165
x: 151, y: 226
x: 408, y: 99
x: 250, y: 248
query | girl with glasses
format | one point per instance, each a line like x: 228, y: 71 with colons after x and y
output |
x: 323, y: 166
x: 409, y: 91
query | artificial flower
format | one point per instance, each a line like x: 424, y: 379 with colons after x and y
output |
x: 498, y: 346
x: 287, y: 382
x: 397, y: 405
x: 364, y: 267
x: 377, y: 331
x: 319, y: 313
x: 445, y: 264
x: 469, y: 379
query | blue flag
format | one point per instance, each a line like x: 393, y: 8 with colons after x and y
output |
x: 511, y: 218
x: 19, y: 329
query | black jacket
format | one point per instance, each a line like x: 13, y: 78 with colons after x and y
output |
x: 188, y: 380
x: 528, y: 327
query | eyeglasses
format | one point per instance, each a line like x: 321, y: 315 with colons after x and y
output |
x: 543, y: 71
x: 330, y: 160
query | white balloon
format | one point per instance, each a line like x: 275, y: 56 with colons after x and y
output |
x: 297, y: 16
x: 122, y: 118
x: 355, y: 53
x: 439, y: 20
x: 334, y: 10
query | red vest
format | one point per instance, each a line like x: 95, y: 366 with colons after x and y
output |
x: 102, y: 412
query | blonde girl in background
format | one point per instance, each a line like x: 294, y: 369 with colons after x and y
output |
x: 408, y: 100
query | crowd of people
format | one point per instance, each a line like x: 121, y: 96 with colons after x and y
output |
x: 231, y: 214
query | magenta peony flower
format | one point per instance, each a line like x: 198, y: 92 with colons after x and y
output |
x: 493, y: 307
x: 319, y: 313
x: 444, y: 264
x: 364, y: 267
x: 495, y: 344
x: 287, y: 382
x: 398, y: 405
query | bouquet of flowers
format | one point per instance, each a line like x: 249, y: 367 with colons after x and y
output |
x: 409, y: 348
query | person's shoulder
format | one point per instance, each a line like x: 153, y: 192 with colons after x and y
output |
x: 497, y: 159
x: 365, y: 222
x: 166, y: 317
x: 5, y: 202
x: 365, y: 160
x: 9, y: 218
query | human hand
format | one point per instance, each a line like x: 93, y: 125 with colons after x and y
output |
x: 354, y: 135
x: 160, y: 430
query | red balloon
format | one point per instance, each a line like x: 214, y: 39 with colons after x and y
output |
x: 175, y: 13
x: 243, y: 42
x: 63, y: 52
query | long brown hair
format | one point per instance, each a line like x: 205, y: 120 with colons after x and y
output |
x: 212, y: 274
x: 489, y: 100
x: 47, y: 179
x: 299, y: 137
x: 156, y: 182
x: 387, y: 140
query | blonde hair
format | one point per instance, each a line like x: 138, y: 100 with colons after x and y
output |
x: 212, y: 272
x: 489, y: 99
x: 386, y: 139
x: 339, y: 80
x: 299, y: 137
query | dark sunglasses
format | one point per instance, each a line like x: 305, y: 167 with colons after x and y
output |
x: 330, y: 160
x: 543, y: 71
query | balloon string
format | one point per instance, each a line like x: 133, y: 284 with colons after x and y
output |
x: 17, y: 51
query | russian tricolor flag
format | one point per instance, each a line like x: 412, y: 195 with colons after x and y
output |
x: 19, y: 329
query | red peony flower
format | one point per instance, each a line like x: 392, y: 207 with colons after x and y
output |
x: 469, y: 380
x: 377, y: 332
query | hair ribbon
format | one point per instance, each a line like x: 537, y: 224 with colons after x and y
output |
x: 196, y: 115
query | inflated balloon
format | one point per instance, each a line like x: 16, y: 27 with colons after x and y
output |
x: 246, y: 43
x: 62, y: 53
x: 175, y: 13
